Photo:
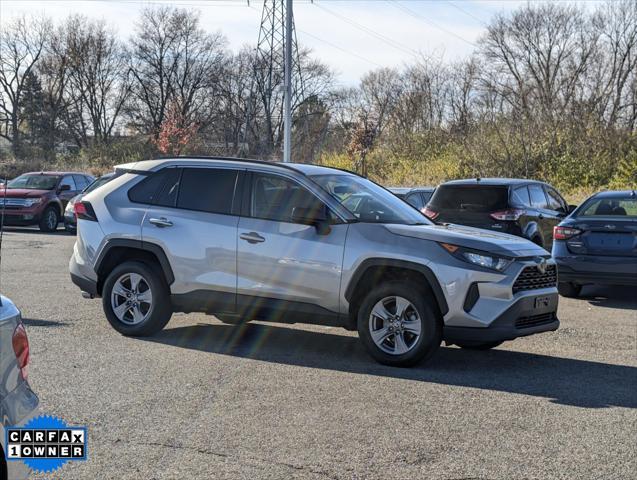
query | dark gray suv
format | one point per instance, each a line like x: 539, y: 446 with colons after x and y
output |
x: 250, y: 240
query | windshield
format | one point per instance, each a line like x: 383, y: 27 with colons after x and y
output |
x: 33, y: 182
x: 609, y: 207
x: 368, y: 202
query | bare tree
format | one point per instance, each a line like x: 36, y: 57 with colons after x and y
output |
x: 22, y: 42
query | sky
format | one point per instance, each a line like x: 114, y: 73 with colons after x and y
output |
x: 351, y: 36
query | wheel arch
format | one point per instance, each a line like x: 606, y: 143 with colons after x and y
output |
x: 117, y: 251
x: 533, y: 231
x: 373, y: 269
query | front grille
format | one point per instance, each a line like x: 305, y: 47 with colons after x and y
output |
x: 535, y: 320
x: 531, y: 278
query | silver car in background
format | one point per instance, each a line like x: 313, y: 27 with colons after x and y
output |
x: 18, y: 403
x: 245, y: 240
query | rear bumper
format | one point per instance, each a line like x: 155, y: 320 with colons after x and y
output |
x: 85, y: 284
x: 527, y: 316
x: 569, y: 275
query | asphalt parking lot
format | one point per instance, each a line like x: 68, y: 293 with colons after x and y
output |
x: 208, y: 400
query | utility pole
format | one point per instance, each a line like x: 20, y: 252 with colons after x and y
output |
x: 287, y: 127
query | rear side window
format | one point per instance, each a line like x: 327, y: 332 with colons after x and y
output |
x: 520, y: 197
x: 475, y: 198
x: 150, y: 187
x: 415, y: 200
x: 207, y: 189
x: 538, y: 199
x: 555, y: 201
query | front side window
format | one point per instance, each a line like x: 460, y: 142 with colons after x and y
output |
x: 207, y: 190
x: 80, y: 182
x: 33, y: 182
x: 368, y: 202
x: 538, y: 199
x: 68, y: 180
x: 276, y: 198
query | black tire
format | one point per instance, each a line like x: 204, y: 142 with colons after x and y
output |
x: 160, y: 310
x: 49, y: 220
x: 430, y: 321
x: 570, y: 290
x: 479, y: 346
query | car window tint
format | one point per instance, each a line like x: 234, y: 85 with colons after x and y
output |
x: 68, y: 180
x: 147, y: 190
x: 538, y: 199
x: 80, y: 182
x: 207, y: 189
x: 520, y: 197
x: 610, y: 207
x: 474, y: 198
x: 415, y: 200
x: 168, y: 192
x: 555, y: 201
x: 275, y: 198
x: 426, y: 196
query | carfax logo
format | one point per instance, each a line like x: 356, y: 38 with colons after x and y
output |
x: 46, y: 443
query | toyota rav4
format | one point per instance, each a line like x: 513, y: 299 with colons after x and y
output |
x: 246, y: 240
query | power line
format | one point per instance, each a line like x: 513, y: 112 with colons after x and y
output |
x: 418, y: 16
x: 369, y: 31
x: 354, y: 54
x: 466, y: 12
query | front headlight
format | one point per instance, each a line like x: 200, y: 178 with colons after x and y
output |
x: 477, y: 257
x: 29, y: 202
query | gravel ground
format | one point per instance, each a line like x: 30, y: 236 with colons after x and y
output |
x: 208, y: 400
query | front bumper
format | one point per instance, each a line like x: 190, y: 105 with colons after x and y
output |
x: 529, y: 315
x: 21, y: 218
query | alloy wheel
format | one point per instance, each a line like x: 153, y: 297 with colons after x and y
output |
x: 395, y: 325
x: 131, y: 298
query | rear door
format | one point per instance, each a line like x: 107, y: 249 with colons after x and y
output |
x: 194, y: 218
x: 279, y: 259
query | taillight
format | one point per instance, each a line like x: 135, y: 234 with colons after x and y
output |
x: 84, y: 211
x: 564, y: 233
x: 429, y: 213
x: 21, y: 349
x: 509, y: 215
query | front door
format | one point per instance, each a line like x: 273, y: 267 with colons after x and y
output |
x: 281, y: 263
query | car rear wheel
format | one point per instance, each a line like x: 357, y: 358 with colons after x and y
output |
x: 568, y: 289
x: 135, y: 299
x: 49, y: 220
x: 479, y: 346
x: 398, y: 324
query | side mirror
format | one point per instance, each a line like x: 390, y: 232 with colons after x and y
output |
x: 64, y: 188
x: 312, y: 216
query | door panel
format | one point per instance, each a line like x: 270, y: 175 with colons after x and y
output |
x: 291, y: 262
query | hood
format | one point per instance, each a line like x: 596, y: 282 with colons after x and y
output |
x: 23, y: 193
x: 476, y: 238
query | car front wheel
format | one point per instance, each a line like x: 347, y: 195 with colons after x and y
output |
x: 49, y: 220
x: 136, y: 299
x: 398, y: 324
x: 567, y: 289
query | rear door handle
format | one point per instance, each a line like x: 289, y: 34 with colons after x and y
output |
x: 161, y: 222
x: 252, y: 237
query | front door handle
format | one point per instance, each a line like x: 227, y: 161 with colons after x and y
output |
x: 252, y: 237
x: 161, y: 222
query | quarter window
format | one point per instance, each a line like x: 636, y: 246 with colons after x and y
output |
x: 521, y: 197
x: 555, y: 201
x: 415, y: 200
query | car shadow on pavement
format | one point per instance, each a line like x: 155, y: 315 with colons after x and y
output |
x: 610, y: 296
x: 36, y: 231
x: 34, y: 322
x: 566, y: 381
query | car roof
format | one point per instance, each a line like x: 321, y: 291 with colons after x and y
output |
x: 616, y: 194
x: 303, y: 168
x: 493, y: 181
x: 49, y: 173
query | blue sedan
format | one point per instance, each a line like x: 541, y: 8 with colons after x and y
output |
x: 597, y: 243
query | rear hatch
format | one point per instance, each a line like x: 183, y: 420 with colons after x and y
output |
x: 470, y: 205
x: 604, y: 237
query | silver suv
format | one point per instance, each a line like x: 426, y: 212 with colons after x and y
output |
x: 245, y: 240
